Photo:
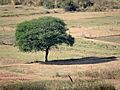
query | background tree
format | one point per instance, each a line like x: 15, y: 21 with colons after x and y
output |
x: 55, y: 3
x: 48, y: 4
x: 42, y: 34
x: 69, y: 5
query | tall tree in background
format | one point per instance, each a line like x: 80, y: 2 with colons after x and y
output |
x: 12, y: 2
x: 56, y: 3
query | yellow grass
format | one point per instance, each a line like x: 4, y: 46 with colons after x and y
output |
x: 13, y: 65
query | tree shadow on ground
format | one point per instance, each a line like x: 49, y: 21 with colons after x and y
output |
x: 85, y: 60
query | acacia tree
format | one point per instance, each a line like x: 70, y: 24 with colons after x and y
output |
x: 42, y: 34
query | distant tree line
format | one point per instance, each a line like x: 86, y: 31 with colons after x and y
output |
x: 68, y: 5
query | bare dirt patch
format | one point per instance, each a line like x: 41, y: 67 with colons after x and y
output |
x: 91, y: 32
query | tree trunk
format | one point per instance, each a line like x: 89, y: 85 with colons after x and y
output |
x: 12, y: 2
x: 55, y: 3
x: 46, y: 54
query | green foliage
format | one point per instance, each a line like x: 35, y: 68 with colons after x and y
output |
x: 4, y: 2
x: 42, y: 34
x: 48, y: 4
x: 69, y: 5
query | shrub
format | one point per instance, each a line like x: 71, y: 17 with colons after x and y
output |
x: 103, y: 5
x: 48, y: 4
x: 69, y: 5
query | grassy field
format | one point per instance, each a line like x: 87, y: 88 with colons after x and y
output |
x: 65, y: 85
x: 94, y: 58
x: 82, y: 48
x: 110, y: 38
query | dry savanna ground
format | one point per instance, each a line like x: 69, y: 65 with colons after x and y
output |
x: 94, y: 56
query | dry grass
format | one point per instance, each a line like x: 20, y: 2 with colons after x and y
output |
x: 60, y: 85
x: 70, y: 18
x: 7, y: 77
x: 82, y: 48
x: 94, y: 31
x: 81, y: 24
x: 76, y: 59
x: 38, y: 72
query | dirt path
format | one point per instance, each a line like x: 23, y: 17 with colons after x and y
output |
x: 91, y: 32
x: 104, y: 42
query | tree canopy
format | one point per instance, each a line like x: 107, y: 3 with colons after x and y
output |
x: 42, y: 34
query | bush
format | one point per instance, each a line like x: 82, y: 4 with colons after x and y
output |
x: 69, y: 5
x: 48, y: 4
x: 97, y: 7
x: 103, y: 5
